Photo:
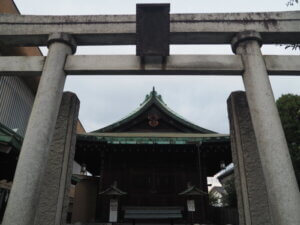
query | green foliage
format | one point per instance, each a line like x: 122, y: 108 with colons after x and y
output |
x: 213, y: 199
x: 230, y: 199
x: 292, y: 46
x: 289, y: 111
x: 292, y: 2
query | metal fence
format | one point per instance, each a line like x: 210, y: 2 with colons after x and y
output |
x: 16, y: 101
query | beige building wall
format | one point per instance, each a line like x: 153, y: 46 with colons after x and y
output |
x: 84, y: 206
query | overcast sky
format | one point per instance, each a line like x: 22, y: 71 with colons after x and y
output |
x: 200, y: 99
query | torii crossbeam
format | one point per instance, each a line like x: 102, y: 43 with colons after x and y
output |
x: 246, y: 32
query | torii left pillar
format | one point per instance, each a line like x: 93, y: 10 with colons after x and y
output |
x: 24, y: 197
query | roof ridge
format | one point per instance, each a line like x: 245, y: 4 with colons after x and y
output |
x: 153, y: 94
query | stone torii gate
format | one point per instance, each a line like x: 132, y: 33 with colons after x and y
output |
x: 246, y: 32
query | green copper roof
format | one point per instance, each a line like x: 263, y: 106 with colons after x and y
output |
x: 153, y: 98
x: 9, y: 137
x: 153, y: 138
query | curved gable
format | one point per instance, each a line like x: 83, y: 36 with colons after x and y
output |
x: 154, y: 115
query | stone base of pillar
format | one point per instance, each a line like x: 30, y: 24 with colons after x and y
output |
x: 54, y: 199
x: 250, y: 183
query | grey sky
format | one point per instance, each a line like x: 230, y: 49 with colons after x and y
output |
x: 201, y: 100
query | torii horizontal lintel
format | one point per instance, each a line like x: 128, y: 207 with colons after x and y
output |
x: 132, y: 65
x: 215, y: 28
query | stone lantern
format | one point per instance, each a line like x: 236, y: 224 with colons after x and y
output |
x: 114, y: 194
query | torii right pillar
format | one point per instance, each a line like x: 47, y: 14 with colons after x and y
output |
x: 282, y: 188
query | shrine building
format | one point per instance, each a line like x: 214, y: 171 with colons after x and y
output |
x: 151, y: 166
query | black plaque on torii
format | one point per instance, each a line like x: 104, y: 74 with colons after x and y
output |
x: 152, y: 29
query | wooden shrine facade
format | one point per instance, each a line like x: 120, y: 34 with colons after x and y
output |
x: 152, y: 160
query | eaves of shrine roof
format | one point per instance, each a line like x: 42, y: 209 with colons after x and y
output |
x: 154, y: 138
x: 154, y: 99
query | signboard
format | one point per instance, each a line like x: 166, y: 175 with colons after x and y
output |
x: 113, y: 210
x: 191, y: 205
x: 152, y: 29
